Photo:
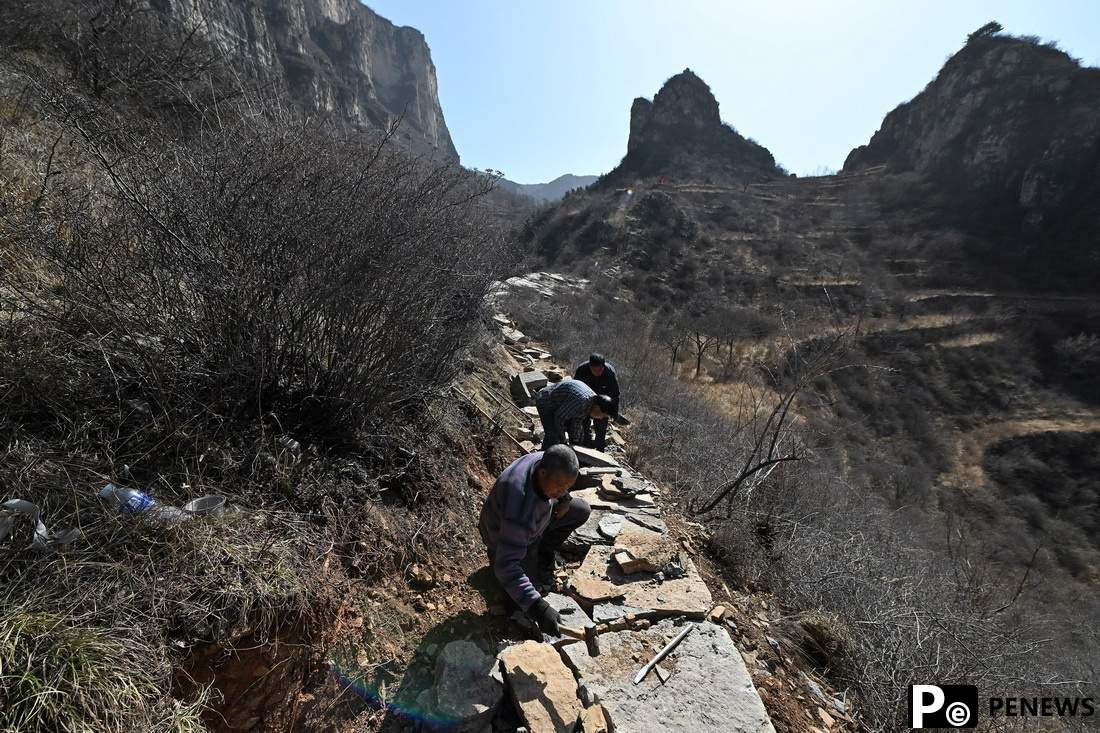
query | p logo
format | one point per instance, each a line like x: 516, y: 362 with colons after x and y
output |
x: 943, y: 706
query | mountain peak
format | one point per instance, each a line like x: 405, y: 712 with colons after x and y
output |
x: 680, y: 133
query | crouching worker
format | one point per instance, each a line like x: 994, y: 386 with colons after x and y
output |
x: 524, y: 520
x: 599, y: 375
x: 563, y: 409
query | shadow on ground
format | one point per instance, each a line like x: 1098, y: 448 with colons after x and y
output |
x: 490, y: 631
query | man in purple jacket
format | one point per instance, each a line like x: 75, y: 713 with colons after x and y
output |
x: 525, y: 518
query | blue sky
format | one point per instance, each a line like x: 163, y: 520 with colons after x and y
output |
x: 537, y: 89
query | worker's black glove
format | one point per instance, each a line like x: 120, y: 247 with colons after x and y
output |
x: 545, y: 616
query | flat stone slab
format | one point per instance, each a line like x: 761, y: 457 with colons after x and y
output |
x: 570, y: 611
x: 543, y: 688
x: 603, y: 613
x: 519, y: 390
x: 707, y: 689
x: 642, y: 499
x: 652, y: 552
x: 641, y: 523
x: 625, y: 506
x: 593, y: 457
x: 534, y: 381
x: 591, y: 478
x: 610, y: 525
x: 586, y: 535
x: 599, y: 580
x: 631, y: 485
x: 513, y: 336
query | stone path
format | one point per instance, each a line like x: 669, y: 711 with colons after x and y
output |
x: 642, y: 588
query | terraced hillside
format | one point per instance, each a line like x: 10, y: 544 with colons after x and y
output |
x: 961, y: 372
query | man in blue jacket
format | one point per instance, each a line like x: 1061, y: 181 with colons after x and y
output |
x: 599, y: 375
x: 524, y: 520
x: 563, y: 408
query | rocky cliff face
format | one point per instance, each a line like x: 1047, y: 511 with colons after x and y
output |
x: 334, y: 56
x: 680, y: 134
x: 1006, y: 140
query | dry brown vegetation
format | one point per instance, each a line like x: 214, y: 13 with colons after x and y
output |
x: 230, y: 300
x: 912, y: 593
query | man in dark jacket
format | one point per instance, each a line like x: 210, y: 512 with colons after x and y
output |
x: 563, y: 408
x: 599, y: 375
x: 525, y: 518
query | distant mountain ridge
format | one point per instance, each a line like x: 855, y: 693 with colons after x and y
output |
x: 552, y: 191
x: 992, y: 174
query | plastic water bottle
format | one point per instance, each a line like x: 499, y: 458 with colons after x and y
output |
x: 133, y: 503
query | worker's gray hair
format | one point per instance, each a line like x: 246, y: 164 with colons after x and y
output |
x: 560, y: 459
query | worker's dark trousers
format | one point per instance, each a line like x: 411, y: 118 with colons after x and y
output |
x: 601, y: 432
x: 550, y: 435
x: 556, y: 533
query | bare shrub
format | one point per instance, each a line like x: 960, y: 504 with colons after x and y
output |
x: 174, y: 301
x: 128, y: 48
x: 264, y: 264
x: 1078, y: 356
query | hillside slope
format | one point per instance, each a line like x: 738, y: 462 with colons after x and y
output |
x: 1006, y: 140
x: 959, y: 334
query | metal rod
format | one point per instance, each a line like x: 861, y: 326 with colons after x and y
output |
x: 488, y: 417
x: 662, y: 654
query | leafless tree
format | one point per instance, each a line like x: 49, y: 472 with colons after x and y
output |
x: 700, y: 330
x: 763, y: 424
x: 672, y: 340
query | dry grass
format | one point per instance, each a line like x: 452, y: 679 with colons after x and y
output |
x: 970, y: 340
x: 90, y: 635
x: 58, y: 676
